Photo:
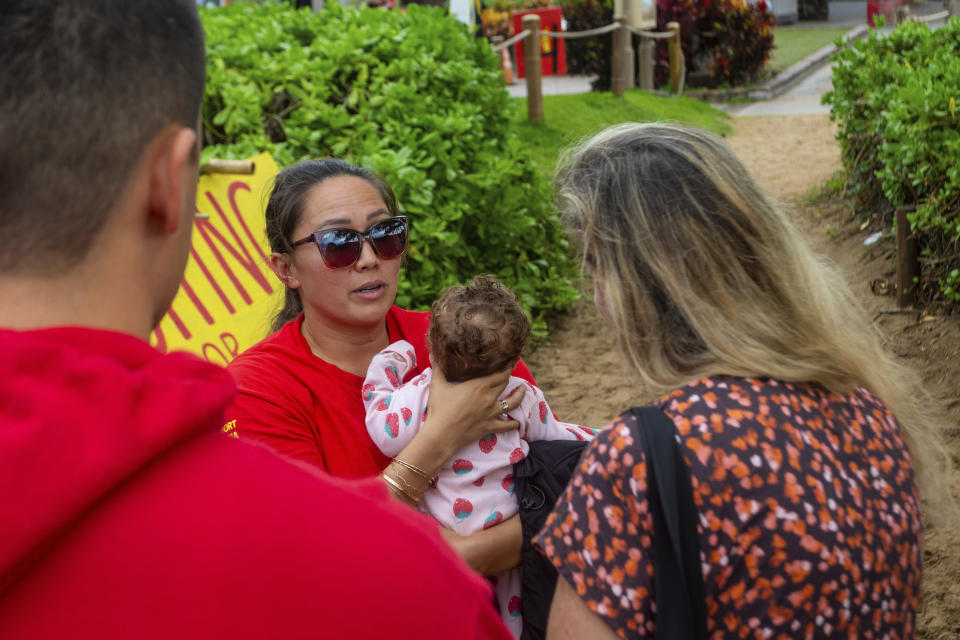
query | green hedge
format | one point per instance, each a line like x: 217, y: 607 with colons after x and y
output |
x: 412, y: 96
x: 895, y: 99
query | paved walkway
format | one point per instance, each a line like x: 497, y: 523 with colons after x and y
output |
x: 553, y: 86
x: 802, y: 99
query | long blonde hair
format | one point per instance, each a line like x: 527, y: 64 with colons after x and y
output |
x: 700, y: 273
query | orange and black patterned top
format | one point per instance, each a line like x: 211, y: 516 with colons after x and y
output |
x: 809, y: 516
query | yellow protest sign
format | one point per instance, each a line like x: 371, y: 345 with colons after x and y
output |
x: 228, y: 293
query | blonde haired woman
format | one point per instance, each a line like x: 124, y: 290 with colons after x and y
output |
x: 782, y: 398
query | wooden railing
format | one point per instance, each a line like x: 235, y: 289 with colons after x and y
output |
x: 622, y: 75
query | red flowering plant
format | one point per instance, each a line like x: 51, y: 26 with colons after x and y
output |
x: 723, y: 41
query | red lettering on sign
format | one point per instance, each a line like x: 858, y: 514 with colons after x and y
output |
x: 212, y: 347
x: 230, y: 344
x: 161, y: 340
x: 232, y: 195
x: 196, y: 301
x: 246, y: 261
x: 212, y: 280
x: 179, y: 323
x: 206, y: 230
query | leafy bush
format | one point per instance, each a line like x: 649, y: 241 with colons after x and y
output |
x: 412, y: 96
x: 723, y: 41
x: 895, y: 99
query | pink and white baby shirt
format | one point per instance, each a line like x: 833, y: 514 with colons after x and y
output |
x: 474, y: 489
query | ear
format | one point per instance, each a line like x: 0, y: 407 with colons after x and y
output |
x: 282, y: 266
x: 172, y: 178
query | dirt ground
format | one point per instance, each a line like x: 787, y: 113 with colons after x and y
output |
x: 793, y: 156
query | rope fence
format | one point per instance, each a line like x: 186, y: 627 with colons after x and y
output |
x: 582, y: 34
x: 653, y: 35
x: 933, y: 17
x: 497, y: 48
x: 623, y: 74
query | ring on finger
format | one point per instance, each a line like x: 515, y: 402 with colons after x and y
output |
x: 504, y: 405
x: 503, y: 416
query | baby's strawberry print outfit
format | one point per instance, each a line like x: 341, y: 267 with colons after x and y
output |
x: 809, y: 516
x: 474, y: 489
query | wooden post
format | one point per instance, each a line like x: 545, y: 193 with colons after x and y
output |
x: 676, y: 57
x: 629, y: 55
x: 645, y: 60
x: 617, y: 82
x: 908, y: 267
x: 531, y: 60
x: 216, y: 165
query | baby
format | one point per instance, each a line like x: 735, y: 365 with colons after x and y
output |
x: 475, y: 330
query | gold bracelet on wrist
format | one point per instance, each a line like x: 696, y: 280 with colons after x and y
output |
x: 411, y: 489
x: 397, y: 489
x: 414, y: 468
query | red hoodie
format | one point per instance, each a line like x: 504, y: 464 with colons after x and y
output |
x: 126, y: 514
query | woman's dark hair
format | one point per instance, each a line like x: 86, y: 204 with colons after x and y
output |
x: 285, y: 208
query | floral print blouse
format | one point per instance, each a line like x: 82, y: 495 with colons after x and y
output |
x: 809, y: 516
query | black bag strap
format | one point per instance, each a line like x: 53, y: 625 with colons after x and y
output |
x: 678, y: 591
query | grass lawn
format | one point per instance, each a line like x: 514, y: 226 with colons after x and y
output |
x: 793, y: 44
x: 568, y: 118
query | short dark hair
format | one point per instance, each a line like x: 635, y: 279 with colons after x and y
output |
x: 285, y: 208
x: 477, y: 329
x: 85, y: 85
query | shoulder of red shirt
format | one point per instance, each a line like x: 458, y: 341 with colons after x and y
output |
x: 186, y: 531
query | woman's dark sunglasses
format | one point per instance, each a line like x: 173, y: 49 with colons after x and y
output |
x: 341, y: 248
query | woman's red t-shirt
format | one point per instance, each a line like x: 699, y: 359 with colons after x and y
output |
x: 311, y: 410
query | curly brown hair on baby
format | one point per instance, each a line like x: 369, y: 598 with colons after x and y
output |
x: 477, y: 329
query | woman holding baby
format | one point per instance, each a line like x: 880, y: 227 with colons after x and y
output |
x: 310, y: 389
x: 337, y: 243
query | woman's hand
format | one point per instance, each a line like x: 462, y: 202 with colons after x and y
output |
x: 489, y: 551
x: 459, y: 414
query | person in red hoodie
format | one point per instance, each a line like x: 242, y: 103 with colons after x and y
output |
x: 124, y: 511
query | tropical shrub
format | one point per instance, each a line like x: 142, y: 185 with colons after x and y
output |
x: 725, y: 42
x: 413, y: 96
x: 895, y: 102
x: 589, y: 56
